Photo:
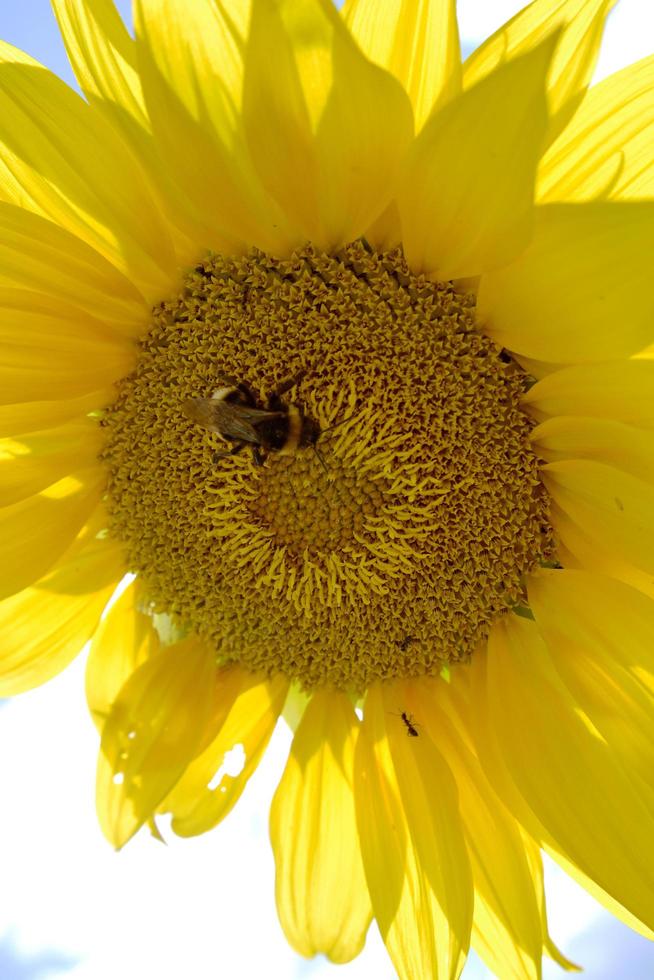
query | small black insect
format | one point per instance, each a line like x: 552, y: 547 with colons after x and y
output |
x: 235, y: 414
x: 411, y: 728
x: 406, y: 642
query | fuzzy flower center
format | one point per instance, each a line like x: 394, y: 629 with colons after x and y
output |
x: 382, y: 539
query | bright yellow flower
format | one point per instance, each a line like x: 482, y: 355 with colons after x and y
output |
x: 437, y: 559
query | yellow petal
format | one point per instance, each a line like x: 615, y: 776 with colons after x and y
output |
x: 102, y: 54
x: 576, y: 53
x: 45, y: 626
x: 155, y: 728
x: 606, y: 150
x: 623, y: 446
x: 295, y: 706
x: 248, y: 709
x: 104, y: 59
x: 124, y: 640
x: 466, y: 197
x: 429, y: 798
x: 191, y: 65
x: 601, y: 896
x: 327, y: 129
x: 385, y: 233
x: 413, y: 849
x: 578, y: 550
x: 32, y: 463
x: 471, y: 687
x: 417, y: 41
x: 33, y: 416
x: 507, y: 930
x: 54, y: 350
x: 533, y: 854
x: 322, y: 897
x: 623, y: 390
x: 35, y: 532
x: 565, y: 771
x: 385, y: 846
x: 40, y: 257
x: 468, y: 716
x: 609, y: 506
x: 62, y: 160
x: 537, y: 369
x: 600, y: 634
x: 581, y: 291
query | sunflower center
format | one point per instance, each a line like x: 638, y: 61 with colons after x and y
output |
x: 322, y: 467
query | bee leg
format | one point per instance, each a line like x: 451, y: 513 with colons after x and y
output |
x: 231, y: 452
x: 320, y: 457
x: 247, y: 395
x: 274, y: 400
x: 257, y: 456
x: 226, y: 381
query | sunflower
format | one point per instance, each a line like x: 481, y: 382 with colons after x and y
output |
x: 337, y: 349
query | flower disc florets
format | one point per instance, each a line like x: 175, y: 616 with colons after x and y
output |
x: 387, y: 549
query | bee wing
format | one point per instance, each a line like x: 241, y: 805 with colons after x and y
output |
x: 231, y: 421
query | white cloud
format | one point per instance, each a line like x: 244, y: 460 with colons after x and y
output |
x: 629, y: 35
x: 479, y: 18
x: 200, y: 908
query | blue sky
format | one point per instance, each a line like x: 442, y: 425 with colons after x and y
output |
x: 71, y: 909
x: 30, y: 25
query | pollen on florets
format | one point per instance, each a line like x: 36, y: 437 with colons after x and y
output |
x: 387, y: 549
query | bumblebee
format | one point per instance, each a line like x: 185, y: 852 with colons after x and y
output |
x: 235, y: 414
